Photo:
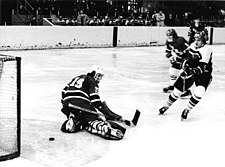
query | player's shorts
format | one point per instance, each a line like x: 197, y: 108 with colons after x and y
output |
x: 203, y: 79
x: 177, y: 65
x: 183, y: 84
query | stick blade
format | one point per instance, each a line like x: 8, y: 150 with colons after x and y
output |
x: 136, y: 117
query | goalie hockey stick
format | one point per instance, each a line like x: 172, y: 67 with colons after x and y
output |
x: 134, y: 120
x: 126, y: 122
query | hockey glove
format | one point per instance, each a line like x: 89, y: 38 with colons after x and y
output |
x: 173, y: 59
x: 187, y: 70
x: 191, y: 71
x: 168, y: 55
x: 109, y: 114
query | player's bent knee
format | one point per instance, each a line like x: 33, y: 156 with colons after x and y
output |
x: 199, y: 91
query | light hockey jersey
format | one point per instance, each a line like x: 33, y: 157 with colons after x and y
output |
x: 204, y: 56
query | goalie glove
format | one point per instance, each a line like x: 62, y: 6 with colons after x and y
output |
x: 187, y: 72
x: 109, y: 115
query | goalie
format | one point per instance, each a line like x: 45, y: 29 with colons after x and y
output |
x: 197, y: 69
x: 82, y: 92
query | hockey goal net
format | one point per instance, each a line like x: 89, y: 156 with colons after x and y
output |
x: 10, y: 121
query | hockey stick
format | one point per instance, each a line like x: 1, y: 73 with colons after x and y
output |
x: 134, y: 120
x: 126, y: 122
x: 180, y: 52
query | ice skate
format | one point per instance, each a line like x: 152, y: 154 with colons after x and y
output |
x: 163, y: 110
x: 184, y: 114
x: 168, y: 89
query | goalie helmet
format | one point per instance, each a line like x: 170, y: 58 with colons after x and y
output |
x: 171, y: 32
x: 96, y: 72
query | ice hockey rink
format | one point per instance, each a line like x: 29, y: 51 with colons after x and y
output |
x: 133, y: 79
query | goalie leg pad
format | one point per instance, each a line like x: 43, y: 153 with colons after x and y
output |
x: 114, y: 134
x: 104, y: 129
x: 117, y: 126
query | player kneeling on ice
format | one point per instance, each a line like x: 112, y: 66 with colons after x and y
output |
x: 197, y: 69
x: 84, y: 109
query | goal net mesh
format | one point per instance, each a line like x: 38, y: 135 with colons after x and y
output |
x: 9, y: 107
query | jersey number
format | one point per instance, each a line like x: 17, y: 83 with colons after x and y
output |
x: 78, y: 82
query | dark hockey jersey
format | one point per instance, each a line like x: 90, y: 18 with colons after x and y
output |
x: 193, y: 30
x: 81, y: 90
x: 178, y: 45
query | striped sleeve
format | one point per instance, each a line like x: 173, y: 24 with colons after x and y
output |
x: 64, y: 91
x: 93, y: 93
x: 95, y: 99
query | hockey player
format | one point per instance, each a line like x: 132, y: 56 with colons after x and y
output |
x: 175, y: 47
x: 196, y: 27
x: 82, y: 92
x: 197, y: 69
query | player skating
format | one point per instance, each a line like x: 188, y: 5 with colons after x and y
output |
x: 197, y: 69
x: 84, y: 109
x: 175, y: 47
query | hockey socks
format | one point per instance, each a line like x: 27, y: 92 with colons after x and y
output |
x: 193, y: 101
x: 172, y: 98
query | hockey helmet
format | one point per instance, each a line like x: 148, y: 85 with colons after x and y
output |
x: 196, y: 22
x: 202, y: 36
x: 96, y: 72
x: 171, y: 32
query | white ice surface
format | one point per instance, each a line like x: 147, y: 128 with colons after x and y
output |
x: 134, y: 78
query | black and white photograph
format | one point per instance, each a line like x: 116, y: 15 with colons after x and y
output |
x: 105, y: 83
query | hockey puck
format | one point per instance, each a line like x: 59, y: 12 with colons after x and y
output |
x: 51, y: 138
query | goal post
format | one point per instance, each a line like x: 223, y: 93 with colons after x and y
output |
x: 10, y: 107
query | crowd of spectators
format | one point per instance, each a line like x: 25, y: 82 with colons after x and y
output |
x: 155, y: 19
x: 81, y: 14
